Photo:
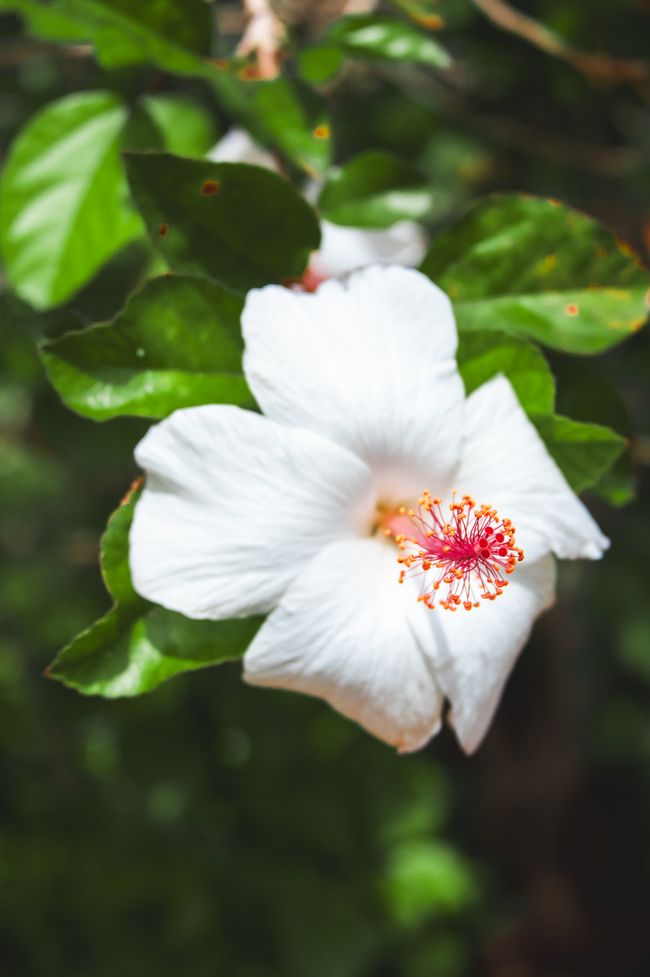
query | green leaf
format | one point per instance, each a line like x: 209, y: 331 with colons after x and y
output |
x: 482, y: 355
x: 47, y: 21
x: 185, y: 127
x: 374, y: 190
x: 583, y: 452
x: 376, y: 36
x: 585, y: 395
x: 294, y: 118
x: 126, y: 654
x: 284, y: 114
x: 137, y: 645
x: 533, y: 267
x: 63, y: 198
x: 114, y: 553
x: 240, y: 225
x: 176, y: 344
x: 173, y: 34
x: 321, y: 63
x: 618, y: 485
x: 426, y: 878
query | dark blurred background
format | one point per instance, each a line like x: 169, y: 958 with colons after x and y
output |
x: 210, y: 828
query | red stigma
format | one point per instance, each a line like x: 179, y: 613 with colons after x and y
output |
x: 463, y: 557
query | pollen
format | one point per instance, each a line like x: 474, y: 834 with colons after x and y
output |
x: 463, y: 555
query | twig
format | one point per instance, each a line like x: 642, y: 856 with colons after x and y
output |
x: 17, y: 54
x: 600, y: 68
x: 607, y: 161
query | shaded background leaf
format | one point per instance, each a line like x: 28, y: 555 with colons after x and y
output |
x: 170, y: 33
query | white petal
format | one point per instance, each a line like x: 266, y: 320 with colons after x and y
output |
x: 234, y: 506
x: 481, y: 646
x: 505, y: 464
x: 238, y: 147
x: 344, y: 632
x: 368, y: 362
x: 344, y: 249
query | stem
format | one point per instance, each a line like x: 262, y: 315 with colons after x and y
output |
x: 600, y: 68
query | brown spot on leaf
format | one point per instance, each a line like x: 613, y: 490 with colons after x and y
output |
x: 625, y: 248
x: 322, y: 132
x: 250, y: 72
x: 433, y: 22
x: 209, y: 188
x: 133, y: 487
x: 163, y: 230
x: 572, y: 309
x: 221, y: 64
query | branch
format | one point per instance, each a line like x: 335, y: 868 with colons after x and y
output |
x: 608, y: 161
x: 602, y: 68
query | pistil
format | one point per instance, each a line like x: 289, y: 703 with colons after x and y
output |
x: 463, y: 557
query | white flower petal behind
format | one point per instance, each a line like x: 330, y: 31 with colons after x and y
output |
x: 235, y: 506
x: 345, y: 631
x: 344, y: 249
x: 238, y: 147
x: 370, y: 363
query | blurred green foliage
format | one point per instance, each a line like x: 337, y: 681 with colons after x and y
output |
x: 210, y: 828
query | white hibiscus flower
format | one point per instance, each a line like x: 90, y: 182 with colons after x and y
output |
x: 300, y: 512
x: 342, y: 249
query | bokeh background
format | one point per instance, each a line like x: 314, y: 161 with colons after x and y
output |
x: 210, y: 828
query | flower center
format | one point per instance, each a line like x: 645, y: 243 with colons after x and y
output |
x: 463, y: 558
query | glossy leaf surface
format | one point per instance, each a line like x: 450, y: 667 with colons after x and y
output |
x: 376, y: 36
x: 483, y: 355
x: 185, y: 127
x: 176, y: 344
x: 533, y: 267
x: 583, y: 452
x: 374, y: 190
x: 137, y: 645
x: 61, y: 182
